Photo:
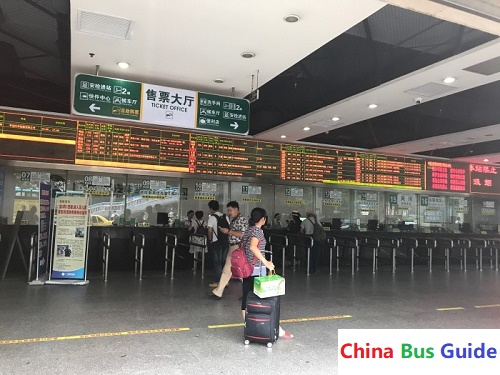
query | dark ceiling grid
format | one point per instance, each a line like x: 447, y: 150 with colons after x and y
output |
x: 389, y: 44
x: 39, y: 33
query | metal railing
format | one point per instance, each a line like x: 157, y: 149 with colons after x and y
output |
x: 33, y: 256
x: 170, y: 244
x: 139, y: 241
x: 106, y: 245
x: 198, y: 241
x: 298, y: 241
x: 331, y: 243
x: 280, y: 242
x: 350, y: 243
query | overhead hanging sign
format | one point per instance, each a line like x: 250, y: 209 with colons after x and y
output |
x: 117, y: 98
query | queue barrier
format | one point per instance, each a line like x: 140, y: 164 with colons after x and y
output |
x: 300, y: 241
x: 170, y: 245
x: 199, y: 241
x: 350, y: 243
x: 33, y: 255
x: 139, y: 240
x: 331, y: 244
x: 106, y: 245
x: 279, y: 241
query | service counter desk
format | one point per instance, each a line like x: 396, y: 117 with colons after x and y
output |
x: 24, y: 235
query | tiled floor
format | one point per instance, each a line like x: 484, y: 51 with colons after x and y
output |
x: 124, y: 304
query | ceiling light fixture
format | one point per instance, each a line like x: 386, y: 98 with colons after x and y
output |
x: 372, y: 106
x: 218, y: 80
x: 335, y: 118
x: 449, y: 80
x: 291, y: 18
x: 486, y: 159
x: 248, y: 55
x: 307, y: 128
x: 123, y: 65
x: 283, y: 136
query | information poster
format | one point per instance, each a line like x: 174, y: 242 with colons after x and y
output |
x: 44, y: 228
x: 70, y: 247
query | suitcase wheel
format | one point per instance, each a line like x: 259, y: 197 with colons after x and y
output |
x: 247, y: 342
x: 269, y: 344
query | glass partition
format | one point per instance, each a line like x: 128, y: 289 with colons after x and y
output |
x: 293, y: 198
x: 433, y: 214
x: 333, y: 207
x: 485, y: 215
x: 368, y: 210
x: 251, y: 195
x: 401, y: 212
x: 196, y: 194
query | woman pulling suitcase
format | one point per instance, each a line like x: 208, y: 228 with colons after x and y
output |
x: 254, y: 244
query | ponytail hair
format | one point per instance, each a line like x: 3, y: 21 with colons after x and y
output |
x: 256, y: 215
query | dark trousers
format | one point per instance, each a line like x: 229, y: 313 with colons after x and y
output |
x: 218, y: 251
x: 315, y: 255
x: 247, y: 287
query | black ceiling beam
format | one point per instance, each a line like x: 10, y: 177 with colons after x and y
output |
x: 40, y: 8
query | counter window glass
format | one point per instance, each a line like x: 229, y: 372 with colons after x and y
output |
x: 401, y: 212
x: 368, y: 210
x: 485, y: 215
x: 434, y: 216
x: 334, y: 207
x: 294, y: 198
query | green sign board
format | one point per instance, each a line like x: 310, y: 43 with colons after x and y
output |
x: 223, y: 113
x: 107, y: 97
x: 244, y: 189
x: 116, y: 98
x: 424, y: 200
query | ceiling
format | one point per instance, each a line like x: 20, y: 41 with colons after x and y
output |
x: 337, y: 59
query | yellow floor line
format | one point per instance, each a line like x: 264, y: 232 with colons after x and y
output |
x: 487, y: 306
x: 93, y: 335
x: 450, y: 308
x: 296, y: 320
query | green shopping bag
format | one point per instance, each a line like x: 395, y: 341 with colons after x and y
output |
x: 269, y: 286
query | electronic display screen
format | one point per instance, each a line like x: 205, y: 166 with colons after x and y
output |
x: 61, y: 140
x: 484, y: 179
x: 37, y: 138
x: 446, y: 176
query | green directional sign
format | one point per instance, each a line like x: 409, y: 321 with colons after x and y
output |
x: 107, y: 97
x: 117, y: 98
x: 223, y: 113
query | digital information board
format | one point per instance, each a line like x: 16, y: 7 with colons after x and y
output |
x: 60, y: 140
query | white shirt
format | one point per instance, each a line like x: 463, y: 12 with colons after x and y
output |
x: 212, y: 223
x: 308, y: 226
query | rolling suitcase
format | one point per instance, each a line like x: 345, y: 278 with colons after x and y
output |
x: 262, y: 319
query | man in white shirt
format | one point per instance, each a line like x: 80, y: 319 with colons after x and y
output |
x: 217, y: 246
x: 307, y: 228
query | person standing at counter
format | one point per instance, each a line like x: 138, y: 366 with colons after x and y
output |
x: 188, y: 220
x: 276, y: 221
x: 307, y: 228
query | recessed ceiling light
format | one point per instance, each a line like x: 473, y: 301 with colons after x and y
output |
x: 449, y: 80
x: 291, y: 18
x: 283, y: 136
x: 306, y: 128
x: 218, y: 80
x: 247, y: 55
x: 486, y: 159
x: 372, y: 106
x: 123, y: 65
x: 488, y: 135
x: 335, y: 118
x: 471, y: 138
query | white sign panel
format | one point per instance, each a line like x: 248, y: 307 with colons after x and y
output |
x: 168, y: 106
x: 255, y: 190
x: 439, y: 202
x: 406, y: 200
x: 297, y: 192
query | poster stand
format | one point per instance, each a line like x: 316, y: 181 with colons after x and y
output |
x: 70, y: 239
x: 14, y: 242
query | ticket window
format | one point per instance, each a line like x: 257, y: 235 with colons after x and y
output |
x: 434, y: 217
x: 251, y: 195
x: 460, y: 211
x: 333, y: 207
x: 107, y: 195
x: 369, y: 210
x: 146, y: 197
x: 19, y: 191
x: 293, y: 198
x: 195, y: 195
x: 484, y: 216
x: 401, y: 212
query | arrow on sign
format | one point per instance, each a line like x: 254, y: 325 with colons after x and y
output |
x: 93, y: 107
x: 234, y: 125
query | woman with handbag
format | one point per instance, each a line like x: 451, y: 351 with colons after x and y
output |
x: 254, y: 244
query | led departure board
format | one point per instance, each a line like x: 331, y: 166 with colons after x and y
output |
x: 64, y: 140
x: 446, y: 176
x: 484, y: 179
x: 110, y: 145
x: 37, y: 138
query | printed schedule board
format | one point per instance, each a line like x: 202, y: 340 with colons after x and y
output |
x: 63, y: 140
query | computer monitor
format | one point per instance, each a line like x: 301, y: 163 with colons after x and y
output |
x: 162, y: 218
x: 336, y: 224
